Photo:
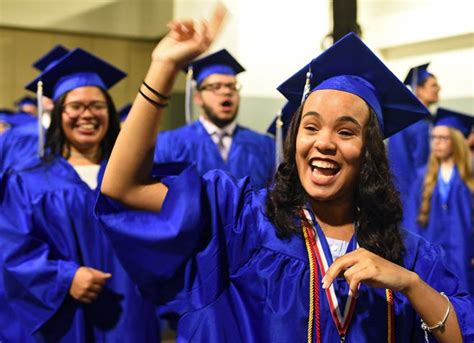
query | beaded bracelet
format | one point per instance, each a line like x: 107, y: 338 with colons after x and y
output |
x: 438, y: 325
x: 151, y: 101
x: 154, y: 91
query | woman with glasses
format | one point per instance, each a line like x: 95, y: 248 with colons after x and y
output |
x: 61, y: 276
x: 440, y: 207
x: 316, y: 257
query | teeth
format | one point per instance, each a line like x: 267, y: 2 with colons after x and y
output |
x: 87, y: 126
x: 324, y: 164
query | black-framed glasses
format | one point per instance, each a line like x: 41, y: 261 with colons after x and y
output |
x: 219, y: 87
x: 76, y: 108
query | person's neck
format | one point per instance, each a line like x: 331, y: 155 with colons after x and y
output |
x: 447, y: 163
x: 336, y: 218
x: 84, y: 157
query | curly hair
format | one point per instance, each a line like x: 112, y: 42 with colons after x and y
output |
x: 56, y: 141
x: 379, y: 209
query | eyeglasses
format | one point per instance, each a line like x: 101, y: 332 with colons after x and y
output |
x: 75, y: 108
x: 440, y: 137
x: 218, y: 87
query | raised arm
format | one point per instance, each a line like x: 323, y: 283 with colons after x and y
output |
x: 127, y: 177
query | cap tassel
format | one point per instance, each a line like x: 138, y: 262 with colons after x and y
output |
x: 41, y: 133
x: 279, y: 141
x: 414, y: 80
x: 307, y: 85
x: 189, y: 96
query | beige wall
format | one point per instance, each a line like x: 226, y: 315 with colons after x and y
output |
x: 20, y: 48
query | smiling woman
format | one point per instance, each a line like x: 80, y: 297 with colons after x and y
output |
x: 61, y: 275
x: 210, y: 250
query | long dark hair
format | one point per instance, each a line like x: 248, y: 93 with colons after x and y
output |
x: 56, y: 141
x: 379, y: 209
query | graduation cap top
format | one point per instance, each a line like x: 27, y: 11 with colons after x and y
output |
x: 220, y: 62
x: 123, y: 111
x: 26, y: 100
x: 78, y: 68
x: 456, y: 120
x: 350, y: 66
x: 286, y: 113
x: 48, y: 59
x: 417, y: 75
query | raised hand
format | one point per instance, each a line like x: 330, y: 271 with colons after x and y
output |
x: 187, y: 40
x: 362, y: 266
x: 87, y: 284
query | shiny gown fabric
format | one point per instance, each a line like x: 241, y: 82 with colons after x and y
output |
x: 408, y: 151
x: 251, y: 153
x: 450, y: 223
x: 17, y: 145
x: 212, y: 257
x: 47, y: 231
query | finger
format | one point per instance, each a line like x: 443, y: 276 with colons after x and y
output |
x: 99, y: 276
x: 217, y: 19
x: 354, y: 276
x: 338, y: 267
x: 97, y: 288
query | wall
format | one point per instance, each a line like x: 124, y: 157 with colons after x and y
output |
x: 19, y: 48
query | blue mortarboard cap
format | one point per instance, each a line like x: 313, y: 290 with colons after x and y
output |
x: 350, y: 66
x: 220, y: 62
x: 78, y: 68
x: 417, y: 75
x: 48, y: 59
x: 286, y: 114
x: 456, y: 120
x: 26, y: 100
x: 124, y: 110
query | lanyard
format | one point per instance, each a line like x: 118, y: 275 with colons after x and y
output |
x: 320, y: 259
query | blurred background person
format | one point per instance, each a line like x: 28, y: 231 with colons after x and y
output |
x: 440, y: 206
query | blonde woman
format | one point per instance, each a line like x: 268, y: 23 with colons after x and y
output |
x: 441, y: 205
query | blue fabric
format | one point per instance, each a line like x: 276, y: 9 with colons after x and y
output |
x: 18, y: 119
x: 17, y: 145
x: 229, y: 278
x: 408, y: 151
x: 251, y: 154
x: 77, y: 68
x: 450, y: 224
x: 358, y: 71
x: 47, y: 231
x: 454, y: 119
x: 444, y: 188
x: 214, y: 69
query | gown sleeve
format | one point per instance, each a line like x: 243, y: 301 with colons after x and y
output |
x: 431, y: 268
x: 181, y: 258
x: 35, y: 285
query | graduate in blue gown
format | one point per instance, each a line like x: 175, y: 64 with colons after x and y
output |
x: 440, y: 207
x: 409, y: 149
x: 215, y: 140
x: 60, y: 274
x: 239, y: 265
x: 21, y: 142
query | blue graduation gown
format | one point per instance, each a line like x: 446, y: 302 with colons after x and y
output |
x: 18, y: 119
x: 47, y: 231
x: 450, y: 224
x: 251, y: 153
x: 17, y: 145
x: 408, y: 151
x: 212, y: 257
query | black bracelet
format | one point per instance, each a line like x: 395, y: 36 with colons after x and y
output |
x: 158, y: 94
x: 152, y: 102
